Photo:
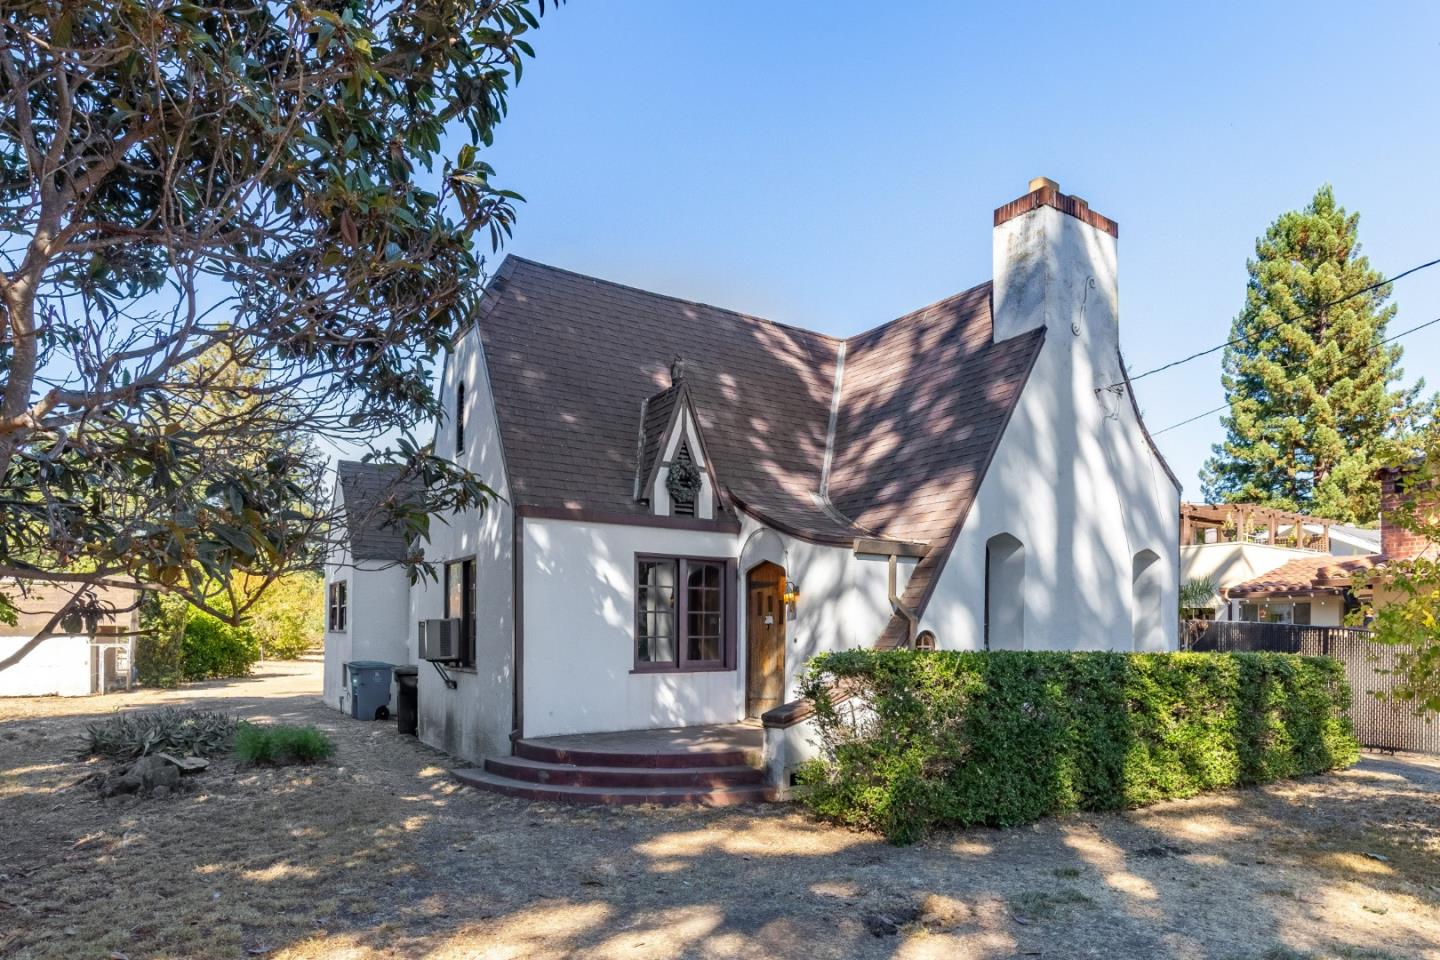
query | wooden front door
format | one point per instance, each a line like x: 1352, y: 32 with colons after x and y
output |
x: 765, y: 639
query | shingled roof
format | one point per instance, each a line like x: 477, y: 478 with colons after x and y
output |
x: 921, y: 405
x: 365, y: 488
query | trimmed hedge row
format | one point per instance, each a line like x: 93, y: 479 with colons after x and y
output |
x: 952, y: 738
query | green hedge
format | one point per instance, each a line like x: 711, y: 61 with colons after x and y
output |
x: 213, y: 648
x: 950, y: 738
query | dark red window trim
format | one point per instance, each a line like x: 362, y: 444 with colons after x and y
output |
x: 728, y: 591
x: 466, y: 613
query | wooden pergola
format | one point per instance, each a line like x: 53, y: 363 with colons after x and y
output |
x: 1251, y: 523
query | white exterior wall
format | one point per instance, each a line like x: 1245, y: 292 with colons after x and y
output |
x: 58, y: 667
x: 579, y: 617
x: 474, y: 719
x: 580, y: 633
x: 377, y: 598
x: 844, y: 599
x: 1326, y: 610
x: 1073, y: 477
x: 1229, y: 564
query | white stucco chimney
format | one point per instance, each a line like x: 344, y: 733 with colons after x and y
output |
x: 1055, y: 266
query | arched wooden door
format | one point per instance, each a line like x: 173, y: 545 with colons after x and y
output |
x: 764, y: 638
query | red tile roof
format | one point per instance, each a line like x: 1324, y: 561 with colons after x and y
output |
x: 1322, y: 573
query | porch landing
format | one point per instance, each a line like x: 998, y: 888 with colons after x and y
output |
x: 714, y: 765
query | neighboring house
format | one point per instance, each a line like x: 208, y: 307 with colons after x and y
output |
x: 1317, y: 589
x: 1233, y: 543
x: 84, y: 656
x: 367, y: 615
x: 694, y: 501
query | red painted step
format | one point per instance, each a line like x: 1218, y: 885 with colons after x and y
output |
x: 707, y: 796
x: 583, y: 757
x: 556, y: 774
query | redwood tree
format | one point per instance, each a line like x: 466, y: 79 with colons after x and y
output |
x: 1310, y: 382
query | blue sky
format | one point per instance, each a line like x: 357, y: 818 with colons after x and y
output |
x: 836, y: 165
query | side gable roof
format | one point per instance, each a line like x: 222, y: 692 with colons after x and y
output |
x: 365, y: 489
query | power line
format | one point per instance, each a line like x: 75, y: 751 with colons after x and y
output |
x: 1405, y: 333
x: 1283, y: 320
x: 1201, y: 416
x: 1198, y: 416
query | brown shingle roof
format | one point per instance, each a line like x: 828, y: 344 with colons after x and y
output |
x: 923, y: 401
x: 366, y: 488
x: 1319, y: 574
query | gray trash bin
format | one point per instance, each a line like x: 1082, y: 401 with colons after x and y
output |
x: 369, y: 689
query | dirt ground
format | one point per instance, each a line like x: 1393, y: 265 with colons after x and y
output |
x: 381, y: 854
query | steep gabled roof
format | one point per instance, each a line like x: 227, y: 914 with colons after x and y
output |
x: 366, y: 488
x: 923, y: 400
x: 571, y: 358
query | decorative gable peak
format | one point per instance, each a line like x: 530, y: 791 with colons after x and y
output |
x: 672, y: 471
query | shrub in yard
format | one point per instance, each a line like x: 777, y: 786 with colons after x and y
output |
x: 160, y: 647
x: 281, y: 745
x: 124, y: 736
x: 289, y: 618
x: 213, y: 648
x: 952, y: 738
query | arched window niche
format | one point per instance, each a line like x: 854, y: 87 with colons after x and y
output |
x: 1004, y: 593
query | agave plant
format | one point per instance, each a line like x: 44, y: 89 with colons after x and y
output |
x: 125, y: 735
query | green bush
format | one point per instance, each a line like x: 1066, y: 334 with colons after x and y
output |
x: 281, y: 745
x: 213, y: 648
x: 160, y: 647
x: 124, y: 736
x: 950, y: 738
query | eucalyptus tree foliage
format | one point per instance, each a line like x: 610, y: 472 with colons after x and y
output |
x: 293, y: 186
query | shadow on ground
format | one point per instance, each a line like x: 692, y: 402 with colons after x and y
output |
x: 381, y: 854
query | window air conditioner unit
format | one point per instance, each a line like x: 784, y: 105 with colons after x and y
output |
x: 440, y: 641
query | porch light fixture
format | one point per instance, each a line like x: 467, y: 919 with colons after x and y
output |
x: 791, y: 596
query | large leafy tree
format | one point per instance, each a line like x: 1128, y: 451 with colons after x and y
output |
x: 295, y: 184
x: 1404, y: 594
x: 1308, y: 376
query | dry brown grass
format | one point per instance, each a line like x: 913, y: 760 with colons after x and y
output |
x: 380, y: 854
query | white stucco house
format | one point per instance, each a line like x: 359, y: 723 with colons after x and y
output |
x: 696, y: 501
x: 85, y: 655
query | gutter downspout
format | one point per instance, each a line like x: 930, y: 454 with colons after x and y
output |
x: 912, y: 621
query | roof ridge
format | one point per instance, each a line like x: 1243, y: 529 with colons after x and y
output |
x: 754, y: 318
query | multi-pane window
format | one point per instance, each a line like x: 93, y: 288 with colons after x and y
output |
x: 338, y: 606
x: 460, y: 604
x: 704, y: 639
x: 681, y: 614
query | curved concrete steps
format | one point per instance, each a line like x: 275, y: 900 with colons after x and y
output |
x: 659, y: 767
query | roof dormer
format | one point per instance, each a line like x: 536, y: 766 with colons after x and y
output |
x: 674, y: 474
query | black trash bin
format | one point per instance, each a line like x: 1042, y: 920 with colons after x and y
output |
x: 407, y: 709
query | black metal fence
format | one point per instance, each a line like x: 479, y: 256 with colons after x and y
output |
x: 1379, y: 724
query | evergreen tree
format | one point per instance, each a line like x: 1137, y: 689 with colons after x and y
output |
x: 1309, y: 380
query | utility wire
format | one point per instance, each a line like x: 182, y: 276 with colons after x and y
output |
x: 1283, y: 320
x: 1201, y: 416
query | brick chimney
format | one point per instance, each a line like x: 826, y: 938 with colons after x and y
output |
x: 1396, y: 542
